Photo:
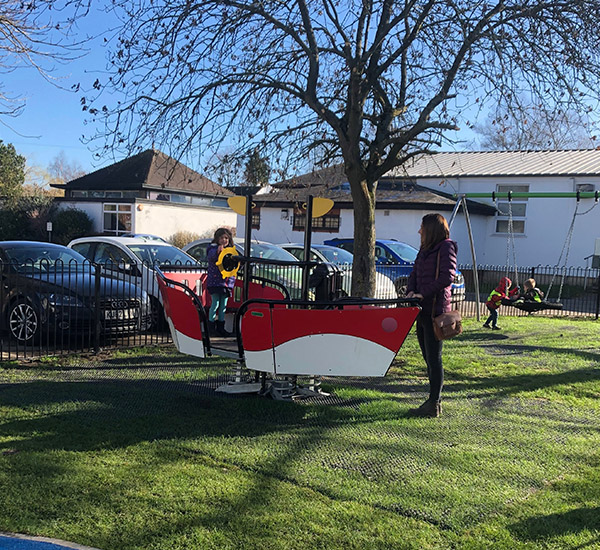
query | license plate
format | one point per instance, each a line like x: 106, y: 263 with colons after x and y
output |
x: 120, y: 314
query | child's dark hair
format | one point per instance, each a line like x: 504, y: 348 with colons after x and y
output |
x: 223, y: 231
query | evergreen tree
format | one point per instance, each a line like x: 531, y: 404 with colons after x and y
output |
x: 12, y: 172
x: 257, y: 172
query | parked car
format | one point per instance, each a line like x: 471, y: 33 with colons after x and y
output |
x: 133, y: 259
x: 146, y: 236
x: 288, y: 276
x: 396, y: 260
x: 49, y: 289
x: 342, y: 259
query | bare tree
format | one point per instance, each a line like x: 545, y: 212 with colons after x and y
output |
x: 532, y: 127
x: 368, y: 83
x: 64, y: 170
x: 36, y: 35
x: 225, y: 169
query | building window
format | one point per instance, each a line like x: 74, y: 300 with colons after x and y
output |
x: 256, y: 218
x: 516, y: 209
x: 96, y: 194
x: 117, y: 219
x: 329, y: 223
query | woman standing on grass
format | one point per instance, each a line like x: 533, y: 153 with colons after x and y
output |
x: 430, y: 281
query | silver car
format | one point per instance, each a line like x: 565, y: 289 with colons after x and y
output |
x: 384, y: 286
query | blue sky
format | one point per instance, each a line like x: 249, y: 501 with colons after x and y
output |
x: 53, y: 120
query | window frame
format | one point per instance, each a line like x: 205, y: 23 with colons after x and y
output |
x: 519, y: 221
x: 328, y: 223
x: 124, y: 209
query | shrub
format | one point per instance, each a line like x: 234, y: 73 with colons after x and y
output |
x: 70, y: 224
x: 181, y: 238
x: 14, y: 225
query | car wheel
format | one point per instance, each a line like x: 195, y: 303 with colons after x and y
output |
x: 23, y: 322
x: 158, y: 315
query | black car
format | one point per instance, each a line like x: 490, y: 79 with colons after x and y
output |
x: 51, y: 290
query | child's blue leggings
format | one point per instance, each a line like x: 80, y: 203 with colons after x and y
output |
x: 218, y: 305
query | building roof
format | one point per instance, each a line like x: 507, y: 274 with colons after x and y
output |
x: 391, y: 194
x: 584, y: 162
x: 150, y: 169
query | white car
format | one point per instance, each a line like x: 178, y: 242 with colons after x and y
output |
x: 133, y: 259
x: 384, y: 286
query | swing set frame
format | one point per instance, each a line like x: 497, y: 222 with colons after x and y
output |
x: 461, y: 200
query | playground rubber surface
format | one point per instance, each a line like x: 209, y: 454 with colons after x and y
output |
x: 22, y: 542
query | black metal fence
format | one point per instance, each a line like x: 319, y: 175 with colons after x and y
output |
x: 576, y: 288
x: 55, y: 308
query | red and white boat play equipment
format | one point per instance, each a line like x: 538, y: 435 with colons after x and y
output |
x: 283, y: 337
x: 277, y: 338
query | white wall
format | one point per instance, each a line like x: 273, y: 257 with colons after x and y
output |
x: 92, y: 209
x: 402, y: 225
x: 166, y: 219
x: 163, y: 219
x: 546, y: 226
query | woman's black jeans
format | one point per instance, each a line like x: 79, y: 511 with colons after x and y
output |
x: 432, y: 353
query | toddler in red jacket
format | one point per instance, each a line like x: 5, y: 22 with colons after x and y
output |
x: 494, y: 301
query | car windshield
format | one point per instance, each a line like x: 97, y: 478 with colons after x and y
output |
x: 271, y: 252
x: 45, y: 259
x: 160, y: 254
x: 336, y: 255
x: 405, y: 251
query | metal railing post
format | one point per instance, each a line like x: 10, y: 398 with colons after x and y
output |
x: 97, y: 326
x: 598, y: 298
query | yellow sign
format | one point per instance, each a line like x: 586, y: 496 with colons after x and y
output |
x: 237, y: 204
x: 321, y: 207
x: 228, y: 270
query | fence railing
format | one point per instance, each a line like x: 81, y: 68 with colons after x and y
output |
x: 51, y: 308
x: 576, y: 288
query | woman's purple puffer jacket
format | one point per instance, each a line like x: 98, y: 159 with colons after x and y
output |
x: 422, y: 279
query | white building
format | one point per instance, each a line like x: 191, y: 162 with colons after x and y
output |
x: 431, y: 184
x: 540, y: 225
x: 150, y: 193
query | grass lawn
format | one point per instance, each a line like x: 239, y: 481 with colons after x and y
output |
x: 128, y: 453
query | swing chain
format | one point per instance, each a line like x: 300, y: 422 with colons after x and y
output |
x: 510, y: 243
x: 565, y: 250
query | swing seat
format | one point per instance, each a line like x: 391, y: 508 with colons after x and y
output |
x: 530, y: 307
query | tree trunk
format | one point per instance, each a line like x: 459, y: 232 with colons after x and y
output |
x: 363, y: 268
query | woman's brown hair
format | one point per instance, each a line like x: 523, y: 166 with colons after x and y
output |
x: 434, y: 229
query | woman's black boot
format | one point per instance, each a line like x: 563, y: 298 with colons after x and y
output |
x: 429, y: 409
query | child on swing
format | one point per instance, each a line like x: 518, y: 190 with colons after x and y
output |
x: 218, y: 288
x: 494, y: 301
x: 530, y: 293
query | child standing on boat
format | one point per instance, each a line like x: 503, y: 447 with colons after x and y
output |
x: 218, y: 287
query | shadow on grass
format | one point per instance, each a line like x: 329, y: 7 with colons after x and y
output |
x: 540, y: 528
x: 503, y: 386
x: 106, y: 415
x: 475, y: 337
x: 117, y: 413
x: 145, y: 362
